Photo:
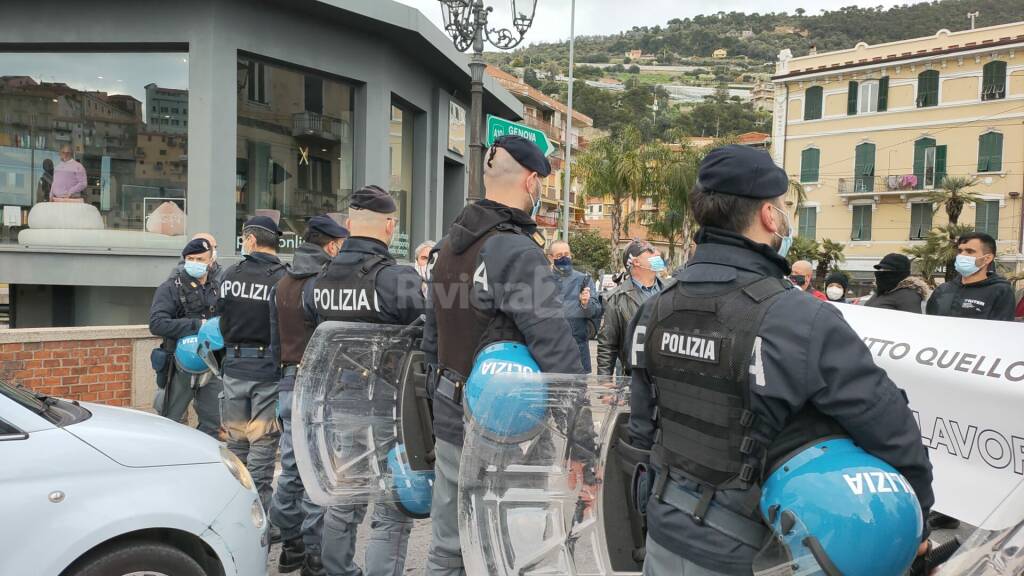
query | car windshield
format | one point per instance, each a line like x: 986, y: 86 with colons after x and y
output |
x: 58, y: 412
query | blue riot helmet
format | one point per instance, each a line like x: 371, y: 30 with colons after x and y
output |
x: 505, y: 396
x: 413, y: 489
x: 210, y: 337
x: 186, y: 356
x: 835, y: 509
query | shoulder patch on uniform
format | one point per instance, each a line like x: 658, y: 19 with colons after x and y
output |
x: 691, y: 346
x: 539, y: 239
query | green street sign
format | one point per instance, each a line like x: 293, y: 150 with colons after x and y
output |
x: 497, y: 127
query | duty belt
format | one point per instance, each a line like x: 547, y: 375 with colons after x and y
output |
x: 239, y: 351
x: 714, y: 515
x: 290, y: 370
x: 450, y: 384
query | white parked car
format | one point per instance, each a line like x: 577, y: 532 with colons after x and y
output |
x: 92, y: 490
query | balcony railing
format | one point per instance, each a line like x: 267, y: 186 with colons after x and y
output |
x: 317, y: 126
x: 874, y: 185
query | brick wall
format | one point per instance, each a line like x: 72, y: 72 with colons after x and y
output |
x: 108, y: 365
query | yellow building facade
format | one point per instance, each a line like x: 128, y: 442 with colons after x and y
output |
x: 870, y: 131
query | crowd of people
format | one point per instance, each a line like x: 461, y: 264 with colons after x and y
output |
x: 805, y: 380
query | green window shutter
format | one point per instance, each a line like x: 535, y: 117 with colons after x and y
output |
x: 928, y: 88
x: 808, y: 222
x: 851, y: 100
x: 983, y: 144
x: 809, y: 160
x: 986, y: 218
x: 993, y: 81
x: 995, y: 152
x: 940, y: 165
x: 864, y: 168
x: 920, y: 221
x: 883, y: 94
x: 861, y: 223
x: 813, y: 103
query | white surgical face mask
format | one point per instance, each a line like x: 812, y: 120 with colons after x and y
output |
x: 834, y: 293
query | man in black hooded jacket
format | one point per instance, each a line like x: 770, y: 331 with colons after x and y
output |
x: 977, y: 291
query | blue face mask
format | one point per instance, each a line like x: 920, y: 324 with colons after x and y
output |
x: 536, y: 204
x: 967, y: 265
x: 564, y: 263
x: 656, y: 263
x: 787, y: 240
x: 195, y: 269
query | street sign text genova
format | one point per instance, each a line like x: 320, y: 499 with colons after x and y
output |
x: 497, y: 127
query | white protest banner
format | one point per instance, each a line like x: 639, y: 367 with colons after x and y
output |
x: 965, y: 382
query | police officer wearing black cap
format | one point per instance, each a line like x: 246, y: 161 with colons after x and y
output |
x: 249, y: 408
x: 363, y: 283
x: 763, y: 371
x: 497, y: 285
x: 180, y: 306
x: 291, y: 511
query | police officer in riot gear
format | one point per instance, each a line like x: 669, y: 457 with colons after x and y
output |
x: 180, y: 306
x: 249, y: 407
x: 490, y: 282
x: 364, y: 284
x: 298, y: 518
x: 733, y: 369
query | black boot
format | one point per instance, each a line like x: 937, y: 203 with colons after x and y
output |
x: 275, y: 534
x: 938, y: 521
x: 313, y: 566
x: 293, y: 553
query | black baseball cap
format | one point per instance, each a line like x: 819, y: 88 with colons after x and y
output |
x: 327, y: 226
x: 742, y: 171
x: 265, y: 222
x: 526, y: 153
x: 894, y: 263
x: 635, y: 248
x: 374, y: 199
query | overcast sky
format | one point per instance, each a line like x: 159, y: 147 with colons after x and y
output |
x: 610, y: 16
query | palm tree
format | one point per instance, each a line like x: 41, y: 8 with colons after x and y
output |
x: 830, y: 254
x: 616, y: 168
x: 937, y: 252
x: 952, y: 196
x: 804, y: 248
x: 672, y: 175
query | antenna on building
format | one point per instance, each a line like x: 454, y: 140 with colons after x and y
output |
x: 972, y: 16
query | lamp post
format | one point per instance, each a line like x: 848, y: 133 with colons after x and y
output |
x: 466, y: 22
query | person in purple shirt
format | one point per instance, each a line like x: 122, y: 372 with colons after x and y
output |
x: 68, y: 177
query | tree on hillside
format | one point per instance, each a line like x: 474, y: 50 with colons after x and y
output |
x: 531, y: 78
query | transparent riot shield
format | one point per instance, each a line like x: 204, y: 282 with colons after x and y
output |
x: 996, y: 548
x: 552, y: 496
x: 347, y: 412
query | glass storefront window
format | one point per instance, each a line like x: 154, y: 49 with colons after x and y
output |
x: 94, y: 149
x: 456, y: 128
x: 294, y: 147
x: 400, y: 185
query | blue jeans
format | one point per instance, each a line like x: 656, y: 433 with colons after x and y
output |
x: 291, y: 510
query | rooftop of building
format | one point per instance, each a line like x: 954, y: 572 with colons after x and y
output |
x: 942, y: 43
x: 521, y: 89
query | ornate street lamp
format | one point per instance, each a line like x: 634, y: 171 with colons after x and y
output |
x: 466, y: 22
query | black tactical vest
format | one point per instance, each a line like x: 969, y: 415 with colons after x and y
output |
x: 294, y: 331
x: 191, y: 298
x: 464, y: 327
x: 348, y: 292
x: 697, y: 353
x: 245, y: 291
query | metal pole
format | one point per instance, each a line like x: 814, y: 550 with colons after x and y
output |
x: 476, y: 123
x: 568, y: 123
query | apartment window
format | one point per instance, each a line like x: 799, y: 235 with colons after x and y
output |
x: 929, y: 164
x: 809, y: 161
x: 867, y: 97
x: 812, y: 103
x: 990, y: 152
x: 928, y: 89
x: 861, y: 229
x: 986, y: 218
x: 993, y: 81
x: 163, y: 109
x: 920, y: 220
x: 808, y: 221
x: 256, y: 82
x: 864, y: 168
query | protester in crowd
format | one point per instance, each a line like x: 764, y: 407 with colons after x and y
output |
x: 292, y: 512
x: 978, y: 291
x: 641, y: 280
x: 836, y: 286
x: 579, y: 297
x: 181, y: 305
x: 895, y: 288
x: 422, y: 254
x: 803, y: 276
x: 69, y: 179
